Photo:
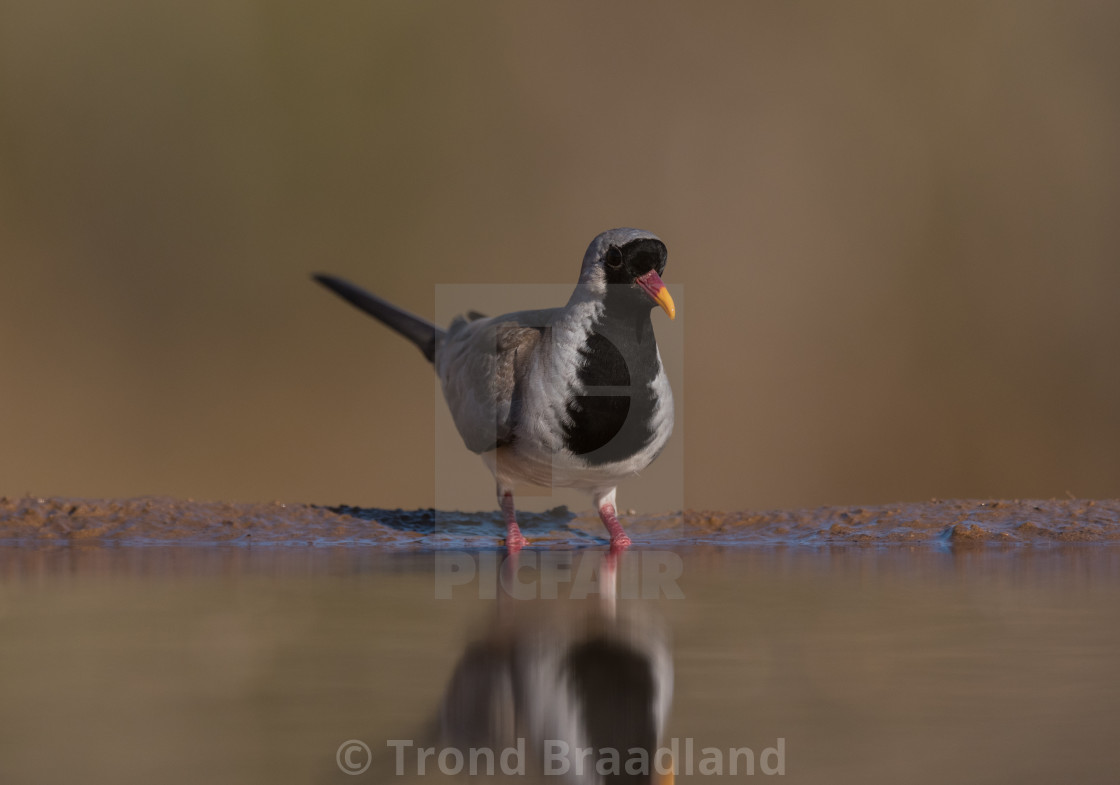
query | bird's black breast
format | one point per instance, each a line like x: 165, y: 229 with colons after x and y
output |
x: 611, y: 421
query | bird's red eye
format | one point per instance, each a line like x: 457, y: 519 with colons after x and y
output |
x: 614, y: 257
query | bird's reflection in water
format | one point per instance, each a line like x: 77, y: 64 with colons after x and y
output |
x: 583, y: 686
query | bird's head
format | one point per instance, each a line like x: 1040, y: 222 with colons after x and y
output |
x: 628, y: 263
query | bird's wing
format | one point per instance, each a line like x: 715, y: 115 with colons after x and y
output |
x: 483, y: 366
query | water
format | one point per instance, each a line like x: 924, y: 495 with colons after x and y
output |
x: 243, y: 665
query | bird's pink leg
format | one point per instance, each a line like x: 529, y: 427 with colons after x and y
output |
x: 619, y: 540
x: 514, y: 539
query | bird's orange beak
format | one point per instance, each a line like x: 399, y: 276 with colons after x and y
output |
x: 652, y: 284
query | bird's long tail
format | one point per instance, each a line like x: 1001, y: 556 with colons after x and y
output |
x: 420, y: 331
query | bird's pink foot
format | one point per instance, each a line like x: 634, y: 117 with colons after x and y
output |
x: 619, y: 540
x: 514, y: 541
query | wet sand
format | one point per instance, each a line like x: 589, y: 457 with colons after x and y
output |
x: 153, y: 521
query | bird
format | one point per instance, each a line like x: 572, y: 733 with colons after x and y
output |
x: 573, y: 396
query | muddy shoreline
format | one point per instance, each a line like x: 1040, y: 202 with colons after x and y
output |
x: 30, y: 521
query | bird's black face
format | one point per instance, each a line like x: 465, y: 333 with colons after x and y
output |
x: 634, y: 270
x: 625, y: 264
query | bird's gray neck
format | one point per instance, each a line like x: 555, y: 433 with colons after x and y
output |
x: 575, y: 323
x: 611, y: 316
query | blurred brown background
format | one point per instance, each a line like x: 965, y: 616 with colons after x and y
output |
x: 897, y: 224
